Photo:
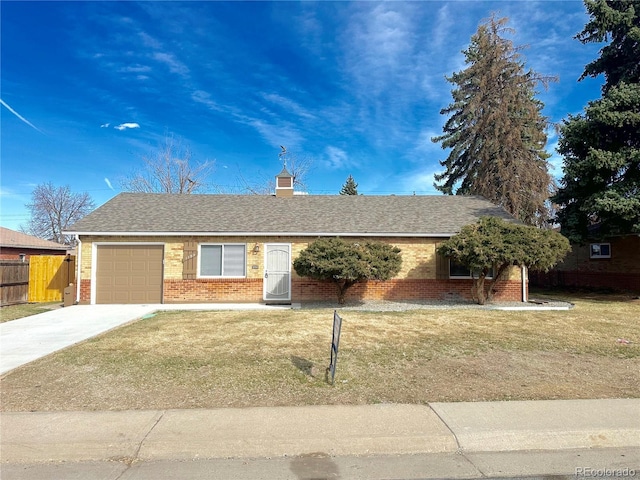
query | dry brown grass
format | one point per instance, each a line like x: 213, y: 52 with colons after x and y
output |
x: 219, y: 359
x: 13, y: 312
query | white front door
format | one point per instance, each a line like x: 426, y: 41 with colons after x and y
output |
x: 277, y: 272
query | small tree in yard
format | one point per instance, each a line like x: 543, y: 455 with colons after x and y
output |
x: 346, y: 264
x: 494, y: 244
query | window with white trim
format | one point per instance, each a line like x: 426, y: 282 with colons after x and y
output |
x: 222, y: 260
x: 600, y: 250
x: 457, y: 270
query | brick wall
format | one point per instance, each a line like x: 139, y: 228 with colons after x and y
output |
x: 620, y: 272
x: 625, y: 257
x: 213, y: 290
x: 85, y: 291
x: 402, y: 289
x: 303, y: 290
x: 580, y: 279
x: 416, y: 280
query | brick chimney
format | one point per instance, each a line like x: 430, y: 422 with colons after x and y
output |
x: 284, y: 184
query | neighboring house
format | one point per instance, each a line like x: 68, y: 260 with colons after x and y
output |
x: 20, y: 246
x: 613, y: 263
x: 162, y: 248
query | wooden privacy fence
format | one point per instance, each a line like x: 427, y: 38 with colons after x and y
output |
x: 49, y: 275
x: 14, y: 282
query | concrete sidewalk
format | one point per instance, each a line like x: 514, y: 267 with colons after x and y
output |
x: 386, y: 429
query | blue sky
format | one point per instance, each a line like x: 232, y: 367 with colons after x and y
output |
x: 89, y: 88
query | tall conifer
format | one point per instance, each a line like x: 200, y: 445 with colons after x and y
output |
x: 601, y: 148
x: 496, y: 131
x: 350, y: 187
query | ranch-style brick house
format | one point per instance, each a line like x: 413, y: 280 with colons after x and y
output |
x: 166, y: 248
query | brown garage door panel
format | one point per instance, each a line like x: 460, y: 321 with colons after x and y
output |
x: 129, y: 274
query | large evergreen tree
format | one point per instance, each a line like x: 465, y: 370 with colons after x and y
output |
x: 601, y: 148
x: 496, y: 131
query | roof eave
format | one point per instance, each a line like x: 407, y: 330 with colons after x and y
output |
x: 35, y: 247
x: 264, y: 234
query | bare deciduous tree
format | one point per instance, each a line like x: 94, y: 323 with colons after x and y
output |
x: 54, y: 209
x: 299, y: 168
x: 169, y: 170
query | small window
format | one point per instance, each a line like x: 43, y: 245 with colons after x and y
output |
x: 222, y: 260
x: 457, y: 270
x: 600, y: 250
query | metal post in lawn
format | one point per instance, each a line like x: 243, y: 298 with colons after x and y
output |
x: 335, y: 343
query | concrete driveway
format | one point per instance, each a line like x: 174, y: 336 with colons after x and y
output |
x: 27, y: 339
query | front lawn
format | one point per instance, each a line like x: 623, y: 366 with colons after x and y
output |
x: 13, y: 312
x: 238, y: 359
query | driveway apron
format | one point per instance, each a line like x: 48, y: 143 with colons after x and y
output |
x: 27, y: 339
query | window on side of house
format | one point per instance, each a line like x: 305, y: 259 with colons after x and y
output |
x: 222, y: 260
x: 457, y: 270
x: 600, y: 250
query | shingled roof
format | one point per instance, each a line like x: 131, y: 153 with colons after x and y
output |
x: 13, y: 239
x: 343, y: 215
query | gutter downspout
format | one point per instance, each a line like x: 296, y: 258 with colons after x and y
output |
x: 78, y: 267
x: 524, y: 284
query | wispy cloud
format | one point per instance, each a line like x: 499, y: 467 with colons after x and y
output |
x: 149, y: 41
x: 105, y: 125
x: 108, y: 182
x: 336, y: 158
x: 124, y: 126
x: 380, y: 44
x: 175, y: 65
x: 204, y: 98
x: 275, y: 129
x: 275, y: 134
x: 20, y: 116
x: 135, y: 69
x: 442, y: 31
x: 290, y: 106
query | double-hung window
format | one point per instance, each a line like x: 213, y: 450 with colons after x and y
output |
x: 222, y: 260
